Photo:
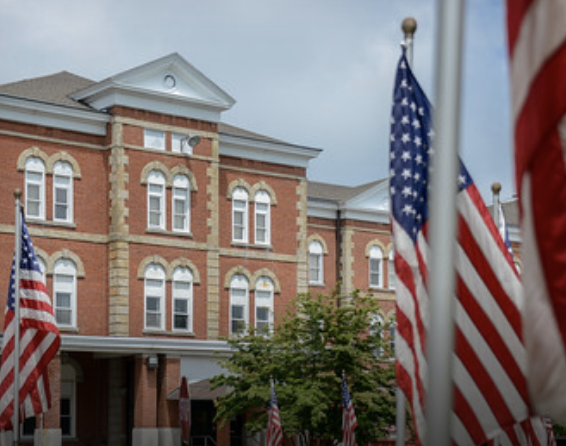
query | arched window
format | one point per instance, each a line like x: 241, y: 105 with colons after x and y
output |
x: 154, y: 292
x: 65, y: 292
x: 35, y: 188
x: 262, y: 218
x: 240, y: 215
x: 391, y: 270
x: 62, y: 192
x: 181, y: 204
x: 156, y: 200
x: 264, y: 305
x: 375, y: 267
x: 182, y: 299
x: 316, y: 271
x: 239, y: 297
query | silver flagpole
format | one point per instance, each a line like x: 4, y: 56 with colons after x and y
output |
x: 17, y: 256
x: 443, y: 222
x: 409, y: 26
x: 495, y: 190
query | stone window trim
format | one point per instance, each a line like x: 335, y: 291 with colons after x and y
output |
x: 169, y: 267
x: 49, y: 161
x: 169, y: 174
x: 252, y: 278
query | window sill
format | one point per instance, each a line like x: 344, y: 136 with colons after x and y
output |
x: 319, y: 285
x: 68, y: 329
x: 41, y: 221
x: 251, y: 246
x: 156, y: 332
x: 166, y: 232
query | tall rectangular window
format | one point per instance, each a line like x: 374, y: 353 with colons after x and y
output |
x: 35, y: 188
x: 62, y: 192
x: 182, y: 299
x: 375, y: 267
x: 240, y: 215
x: 238, y: 304
x: 262, y: 218
x: 156, y: 200
x: 154, y: 296
x: 315, y: 263
x: 65, y: 293
x: 181, y: 204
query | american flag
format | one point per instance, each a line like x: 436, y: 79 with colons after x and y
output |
x: 39, y: 339
x: 349, y: 420
x: 489, y: 360
x: 537, y: 48
x: 274, y: 430
x: 536, y: 431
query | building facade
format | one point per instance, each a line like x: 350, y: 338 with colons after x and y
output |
x: 161, y: 231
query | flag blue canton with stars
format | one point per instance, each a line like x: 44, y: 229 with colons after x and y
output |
x: 411, y: 151
x: 28, y: 261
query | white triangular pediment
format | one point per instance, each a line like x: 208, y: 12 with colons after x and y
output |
x: 375, y: 198
x: 167, y: 85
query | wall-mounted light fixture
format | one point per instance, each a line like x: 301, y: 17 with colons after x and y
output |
x: 190, y: 140
x: 152, y: 362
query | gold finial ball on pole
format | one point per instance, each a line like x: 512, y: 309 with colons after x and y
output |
x: 409, y: 26
x: 17, y: 194
x: 496, y: 187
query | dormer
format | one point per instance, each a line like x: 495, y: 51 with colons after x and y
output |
x: 168, y: 85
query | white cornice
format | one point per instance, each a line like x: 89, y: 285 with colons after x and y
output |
x: 266, y: 151
x: 329, y: 210
x: 115, y: 94
x: 51, y: 115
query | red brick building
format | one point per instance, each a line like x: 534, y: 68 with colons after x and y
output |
x: 162, y: 230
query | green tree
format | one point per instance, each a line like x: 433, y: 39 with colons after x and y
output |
x: 318, y: 338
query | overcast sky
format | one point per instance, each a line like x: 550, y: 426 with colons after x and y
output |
x: 317, y: 73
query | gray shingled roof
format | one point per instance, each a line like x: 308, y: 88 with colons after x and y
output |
x: 52, y: 89
x: 336, y: 193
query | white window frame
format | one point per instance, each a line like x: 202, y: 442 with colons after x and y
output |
x: 69, y: 390
x: 154, y: 139
x: 35, y: 167
x: 264, y: 290
x: 240, y: 297
x: 391, y: 277
x: 240, y: 199
x: 63, y: 180
x: 156, y: 190
x: 67, y: 270
x: 154, y: 288
x: 262, y: 209
x: 180, y: 144
x: 375, y: 265
x: 181, y: 194
x: 184, y: 276
x: 316, y: 264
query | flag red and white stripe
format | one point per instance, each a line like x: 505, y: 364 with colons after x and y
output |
x: 489, y: 361
x: 536, y: 431
x: 349, y: 419
x: 537, y: 48
x: 39, y: 340
x: 274, y: 429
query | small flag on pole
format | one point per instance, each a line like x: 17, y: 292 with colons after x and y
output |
x: 39, y: 339
x: 349, y: 420
x: 274, y: 431
x: 185, y: 411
